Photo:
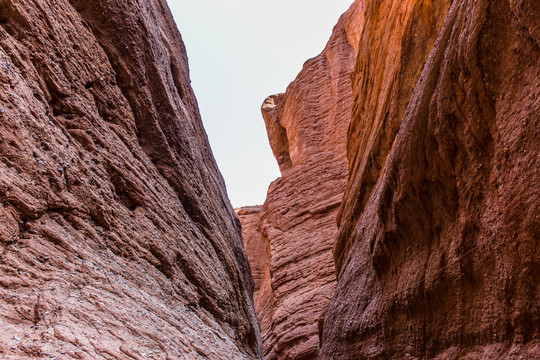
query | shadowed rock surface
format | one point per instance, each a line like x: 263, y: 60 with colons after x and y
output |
x: 307, y: 128
x: 117, y: 240
x: 254, y: 244
x: 438, y: 253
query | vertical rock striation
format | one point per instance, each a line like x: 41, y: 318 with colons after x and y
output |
x: 117, y: 239
x: 395, y: 42
x: 307, y: 129
x: 438, y: 253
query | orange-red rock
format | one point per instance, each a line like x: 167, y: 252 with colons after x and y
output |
x: 394, y: 45
x: 117, y: 239
x: 438, y: 253
x: 307, y: 128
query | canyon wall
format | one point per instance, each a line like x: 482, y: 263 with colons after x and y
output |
x: 294, y: 231
x: 117, y: 239
x: 436, y: 247
x: 438, y: 254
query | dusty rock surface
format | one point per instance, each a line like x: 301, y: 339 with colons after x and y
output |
x: 117, y: 240
x: 438, y: 252
x: 307, y: 127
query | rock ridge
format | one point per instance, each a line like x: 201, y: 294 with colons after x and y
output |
x: 295, y: 228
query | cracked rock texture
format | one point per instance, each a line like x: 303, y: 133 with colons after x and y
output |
x: 289, y: 239
x: 438, y: 250
x: 117, y: 239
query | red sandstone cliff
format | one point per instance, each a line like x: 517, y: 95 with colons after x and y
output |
x: 307, y: 129
x: 438, y: 252
x: 117, y: 239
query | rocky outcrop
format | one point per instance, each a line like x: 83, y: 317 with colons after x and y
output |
x: 117, y: 239
x: 307, y: 128
x: 438, y: 254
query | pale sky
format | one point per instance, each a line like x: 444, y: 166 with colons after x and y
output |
x: 240, y: 52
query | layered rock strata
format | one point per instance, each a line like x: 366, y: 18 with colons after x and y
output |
x: 307, y: 128
x: 117, y: 239
x: 438, y: 254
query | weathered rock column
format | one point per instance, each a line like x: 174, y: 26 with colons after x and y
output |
x: 307, y: 128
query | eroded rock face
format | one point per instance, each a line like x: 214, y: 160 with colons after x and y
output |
x: 254, y: 244
x: 307, y: 128
x: 117, y: 238
x: 438, y: 253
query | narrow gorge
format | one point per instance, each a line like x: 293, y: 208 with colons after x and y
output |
x: 405, y: 223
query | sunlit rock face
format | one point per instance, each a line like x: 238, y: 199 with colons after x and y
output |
x: 437, y: 254
x: 296, y: 228
x: 117, y: 239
